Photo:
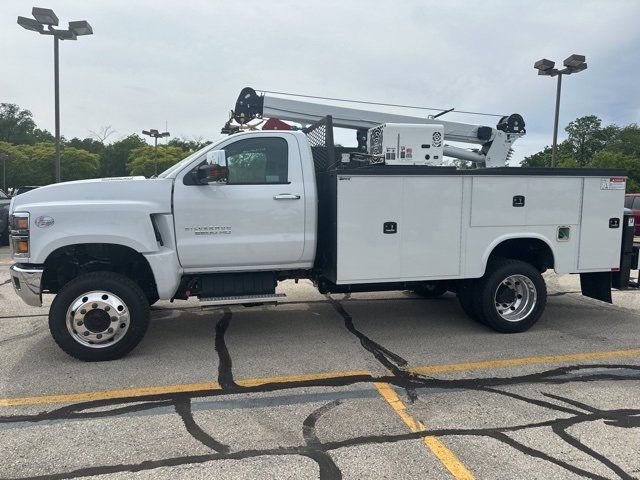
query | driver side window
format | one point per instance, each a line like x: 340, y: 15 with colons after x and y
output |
x: 261, y: 160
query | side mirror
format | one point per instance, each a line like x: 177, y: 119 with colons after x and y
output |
x: 214, y: 169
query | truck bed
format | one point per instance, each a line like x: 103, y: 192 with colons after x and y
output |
x: 381, y: 224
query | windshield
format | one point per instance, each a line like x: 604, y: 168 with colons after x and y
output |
x: 183, y: 162
x: 3, y: 196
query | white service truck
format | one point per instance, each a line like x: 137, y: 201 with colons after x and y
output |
x: 230, y: 221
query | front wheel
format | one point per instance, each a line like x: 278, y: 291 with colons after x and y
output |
x: 511, y: 297
x: 99, y: 316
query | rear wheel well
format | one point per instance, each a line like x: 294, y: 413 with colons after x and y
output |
x: 68, y: 262
x: 531, y: 250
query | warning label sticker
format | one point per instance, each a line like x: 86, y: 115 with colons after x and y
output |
x: 390, y: 154
x: 613, y: 183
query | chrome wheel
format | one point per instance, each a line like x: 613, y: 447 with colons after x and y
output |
x: 515, y: 298
x: 98, y: 319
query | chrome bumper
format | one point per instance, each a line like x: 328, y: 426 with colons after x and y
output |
x: 27, y: 284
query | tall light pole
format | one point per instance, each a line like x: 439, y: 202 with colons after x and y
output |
x: 155, y: 135
x: 572, y: 64
x: 45, y: 16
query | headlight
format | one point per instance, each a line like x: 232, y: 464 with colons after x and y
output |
x: 19, y: 233
x: 19, y: 223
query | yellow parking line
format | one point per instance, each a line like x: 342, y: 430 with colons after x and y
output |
x: 165, y: 389
x: 440, y: 450
x: 105, y: 395
x: 197, y: 387
x: 302, y: 378
x: 514, y: 362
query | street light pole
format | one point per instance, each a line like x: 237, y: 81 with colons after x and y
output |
x: 155, y: 134
x: 46, y: 16
x: 56, y: 74
x: 554, y: 148
x: 155, y: 155
x: 572, y: 64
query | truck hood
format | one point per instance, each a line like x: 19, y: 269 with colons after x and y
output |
x: 154, y: 194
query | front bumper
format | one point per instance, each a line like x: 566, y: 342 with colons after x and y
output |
x: 27, y: 282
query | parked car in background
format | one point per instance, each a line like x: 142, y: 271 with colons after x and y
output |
x: 23, y: 189
x: 4, y: 218
x: 632, y: 201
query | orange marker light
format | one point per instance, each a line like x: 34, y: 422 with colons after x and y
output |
x: 22, y: 246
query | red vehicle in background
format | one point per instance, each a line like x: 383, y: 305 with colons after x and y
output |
x: 632, y: 201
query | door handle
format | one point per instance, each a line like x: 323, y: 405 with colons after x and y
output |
x: 286, y: 196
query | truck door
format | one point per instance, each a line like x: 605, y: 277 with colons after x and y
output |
x: 255, y: 218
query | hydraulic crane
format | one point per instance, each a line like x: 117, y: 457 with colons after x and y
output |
x: 495, y: 142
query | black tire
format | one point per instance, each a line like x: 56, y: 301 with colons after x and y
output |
x: 528, y: 280
x: 135, y: 307
x: 466, y: 297
x: 431, y: 290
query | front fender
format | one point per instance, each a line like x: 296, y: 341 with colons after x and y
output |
x: 106, y: 223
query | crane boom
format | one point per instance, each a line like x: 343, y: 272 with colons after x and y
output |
x: 496, y: 142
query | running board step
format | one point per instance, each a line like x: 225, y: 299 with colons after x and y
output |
x: 241, y: 299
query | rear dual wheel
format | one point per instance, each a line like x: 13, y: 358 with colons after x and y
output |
x: 510, y: 297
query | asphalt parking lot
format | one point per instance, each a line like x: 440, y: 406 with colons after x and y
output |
x: 384, y: 385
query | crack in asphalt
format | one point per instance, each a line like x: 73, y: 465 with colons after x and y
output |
x: 225, y: 365
x: 318, y: 451
x: 183, y: 409
x: 392, y: 361
x: 570, y: 412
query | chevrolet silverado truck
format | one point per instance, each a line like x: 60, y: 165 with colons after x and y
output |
x: 230, y: 221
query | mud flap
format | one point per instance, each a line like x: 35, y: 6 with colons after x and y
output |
x: 596, y: 285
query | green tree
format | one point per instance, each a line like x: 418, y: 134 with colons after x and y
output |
x: 543, y: 157
x: 14, y: 155
x: 142, y: 159
x: 89, y: 144
x: 77, y: 164
x: 34, y: 164
x: 626, y: 140
x: 188, y: 146
x: 587, y: 137
x: 627, y: 162
x: 115, y: 156
x: 17, y: 126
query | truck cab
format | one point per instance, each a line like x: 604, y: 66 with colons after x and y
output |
x: 260, y: 216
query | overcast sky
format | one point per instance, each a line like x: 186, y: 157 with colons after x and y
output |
x: 184, y: 62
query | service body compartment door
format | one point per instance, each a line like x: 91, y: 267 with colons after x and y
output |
x: 600, y: 238
x: 493, y: 201
x: 364, y: 251
x: 553, y: 201
x: 398, y: 228
x: 431, y: 223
